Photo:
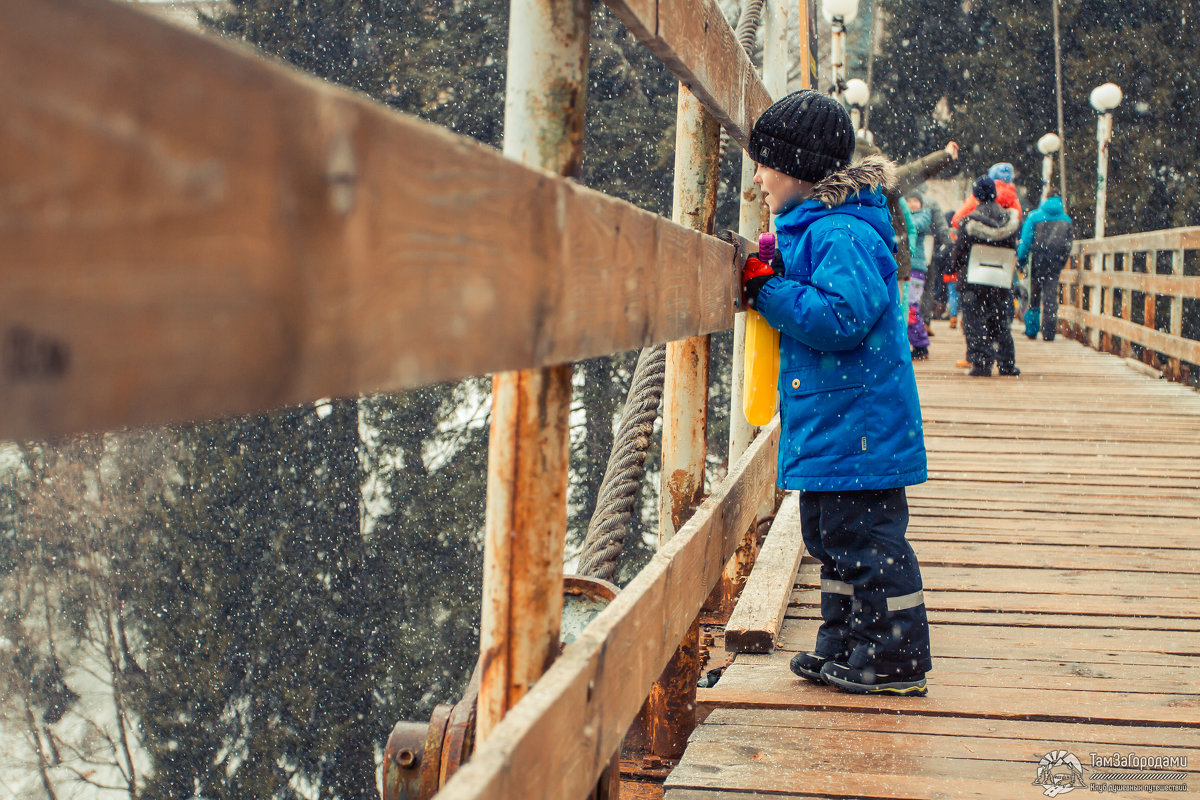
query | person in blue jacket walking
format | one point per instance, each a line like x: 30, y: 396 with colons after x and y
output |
x: 1047, y: 236
x: 851, y: 422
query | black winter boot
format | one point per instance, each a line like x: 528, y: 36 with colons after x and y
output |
x: 808, y: 666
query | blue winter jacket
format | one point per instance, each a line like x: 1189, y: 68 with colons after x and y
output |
x: 1049, y: 211
x: 851, y: 419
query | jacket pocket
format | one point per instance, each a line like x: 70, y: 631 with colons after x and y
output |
x: 825, y: 415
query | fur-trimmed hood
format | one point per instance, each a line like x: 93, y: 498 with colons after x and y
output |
x: 992, y: 223
x: 874, y: 171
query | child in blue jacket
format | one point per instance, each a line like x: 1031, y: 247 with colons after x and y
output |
x: 851, y: 423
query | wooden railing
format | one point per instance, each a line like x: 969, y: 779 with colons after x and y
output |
x: 190, y: 231
x: 1138, y: 294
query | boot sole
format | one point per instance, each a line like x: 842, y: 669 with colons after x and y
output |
x: 900, y: 688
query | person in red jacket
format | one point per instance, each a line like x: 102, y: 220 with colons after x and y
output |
x: 1006, y: 192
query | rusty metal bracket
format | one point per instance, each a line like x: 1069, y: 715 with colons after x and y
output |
x: 742, y: 248
x: 421, y: 757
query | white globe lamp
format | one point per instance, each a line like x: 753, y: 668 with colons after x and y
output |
x: 1049, y: 144
x: 857, y: 93
x: 1106, y: 97
x: 845, y: 10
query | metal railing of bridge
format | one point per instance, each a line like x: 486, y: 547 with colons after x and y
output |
x: 1138, y: 295
x: 191, y: 231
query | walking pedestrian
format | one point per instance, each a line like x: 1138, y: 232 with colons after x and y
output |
x: 1046, y: 238
x: 987, y: 309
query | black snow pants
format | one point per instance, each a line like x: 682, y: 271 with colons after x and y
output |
x: 872, y: 604
x: 1043, y: 294
x: 987, y: 324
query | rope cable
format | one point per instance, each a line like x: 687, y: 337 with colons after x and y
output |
x: 626, y: 467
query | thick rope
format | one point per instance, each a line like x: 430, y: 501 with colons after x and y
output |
x: 626, y: 467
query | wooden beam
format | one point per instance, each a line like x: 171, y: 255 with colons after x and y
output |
x: 692, y: 38
x: 758, y: 615
x: 1177, y: 286
x: 1169, y: 239
x: 565, y: 730
x: 1173, y: 346
x: 224, y: 235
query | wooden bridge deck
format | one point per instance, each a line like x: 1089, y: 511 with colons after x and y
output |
x: 1059, y: 538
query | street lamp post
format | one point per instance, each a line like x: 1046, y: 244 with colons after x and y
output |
x: 1104, y: 99
x: 839, y: 13
x: 858, y: 94
x: 1048, y: 145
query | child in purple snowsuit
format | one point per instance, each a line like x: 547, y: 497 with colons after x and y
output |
x: 918, y: 337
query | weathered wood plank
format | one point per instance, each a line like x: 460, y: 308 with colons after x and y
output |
x: 565, y: 730
x: 894, y: 773
x: 988, y: 673
x: 693, y: 39
x: 1173, y: 285
x: 1106, y: 559
x: 1169, y: 239
x: 1109, y: 708
x: 1072, y: 732
x: 224, y: 235
x: 809, y: 746
x: 760, y: 609
x: 1174, y: 346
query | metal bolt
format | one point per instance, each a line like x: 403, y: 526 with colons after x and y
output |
x: 407, y: 758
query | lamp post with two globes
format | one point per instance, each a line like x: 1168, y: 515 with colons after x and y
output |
x: 1104, y: 99
x: 838, y: 13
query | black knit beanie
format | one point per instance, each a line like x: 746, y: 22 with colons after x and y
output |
x: 984, y: 189
x: 806, y: 135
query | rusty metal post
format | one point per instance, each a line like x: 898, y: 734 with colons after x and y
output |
x: 670, y: 712
x: 528, y: 450
x: 754, y: 219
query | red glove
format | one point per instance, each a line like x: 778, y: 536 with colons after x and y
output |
x: 756, y: 268
x: 756, y: 273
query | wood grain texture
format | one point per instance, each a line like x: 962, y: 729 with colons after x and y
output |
x: 1170, y: 239
x: 694, y: 41
x: 760, y: 609
x: 224, y: 235
x: 1173, y: 346
x: 1176, y: 286
x: 565, y: 730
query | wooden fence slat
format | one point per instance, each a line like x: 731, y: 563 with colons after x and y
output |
x: 565, y: 730
x: 1135, y: 281
x: 224, y: 235
x: 693, y: 39
x: 1173, y: 346
x: 1170, y: 238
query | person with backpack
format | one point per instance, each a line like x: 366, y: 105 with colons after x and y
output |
x: 1046, y: 237
x: 987, y: 305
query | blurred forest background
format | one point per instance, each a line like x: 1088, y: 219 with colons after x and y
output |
x: 243, y: 608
